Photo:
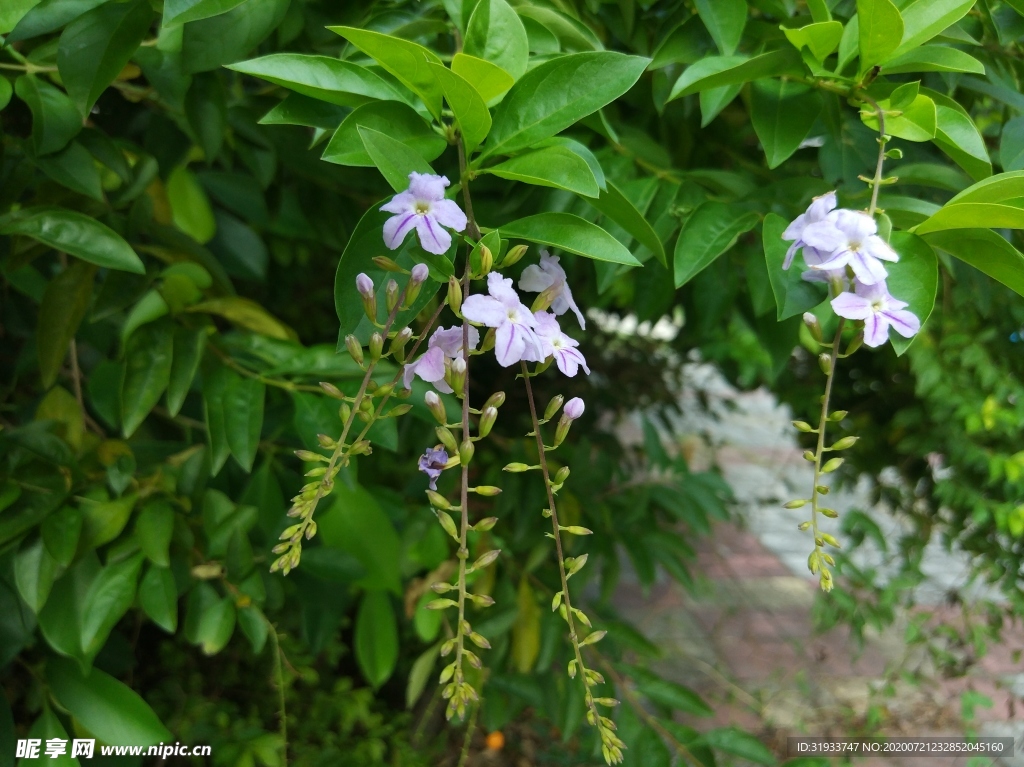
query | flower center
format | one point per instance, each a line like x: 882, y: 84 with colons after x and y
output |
x: 421, y: 208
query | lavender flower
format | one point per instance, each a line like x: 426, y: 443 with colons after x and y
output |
x: 850, y: 237
x: 548, y: 274
x: 819, y: 208
x: 432, y: 463
x: 419, y: 274
x: 364, y: 285
x: 515, y: 338
x: 814, y: 258
x: 879, y: 310
x: 573, y: 408
x: 424, y: 208
x: 443, y: 344
x: 554, y: 342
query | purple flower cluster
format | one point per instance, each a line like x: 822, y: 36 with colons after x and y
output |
x: 842, y: 247
x: 423, y: 207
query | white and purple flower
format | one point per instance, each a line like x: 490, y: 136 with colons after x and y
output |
x: 556, y: 343
x: 850, y: 238
x: 537, y: 278
x: 819, y: 208
x: 423, y: 207
x: 432, y: 463
x: 515, y: 338
x: 879, y: 311
x: 444, y: 344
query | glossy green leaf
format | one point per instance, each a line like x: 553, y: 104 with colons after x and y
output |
x: 158, y: 596
x: 248, y: 314
x: 60, y: 532
x: 64, y: 304
x: 820, y: 39
x: 725, y: 20
x: 570, y: 233
x: 95, y: 47
x: 719, y: 71
x: 496, y: 34
x: 489, y: 80
x: 970, y: 215
x: 356, y: 524
x: 109, y: 597
x: 924, y: 19
x: 190, y: 207
x: 34, y: 572
x: 254, y: 625
x: 420, y: 675
x: 782, y: 114
x: 558, y: 93
x: 575, y: 146
x: 321, y: 77
x: 616, y: 206
x: 710, y: 231
x: 553, y: 166
x: 916, y: 122
x: 49, y: 15
x: 178, y: 12
x: 933, y: 58
x: 153, y: 528
x: 74, y: 168
x: 243, y: 417
x: 102, y: 522
x: 149, y: 353
x: 297, y: 109
x: 187, y: 353
x: 397, y: 121
x: 61, y: 618
x: 209, y: 43
x: 393, y: 159
x: 55, y: 119
x: 914, y: 279
x: 732, y: 740
x: 1002, y: 187
x: 376, y: 638
x: 570, y: 35
x: 48, y: 727
x: 880, y: 31
x: 668, y: 693
x: 404, y: 59
x: 1011, y: 145
x: 216, y: 625
x: 471, y: 114
x: 105, y: 707
x: 986, y: 251
x: 958, y: 136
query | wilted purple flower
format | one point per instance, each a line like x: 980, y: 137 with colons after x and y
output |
x: 432, y: 463
x: 849, y: 237
x: 554, y: 342
x: 538, y: 278
x: 419, y: 274
x: 816, y: 211
x: 573, y: 408
x: 364, y: 285
x: 444, y: 343
x: 879, y: 310
x: 424, y: 208
x: 515, y: 338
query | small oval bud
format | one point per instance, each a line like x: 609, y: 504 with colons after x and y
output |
x: 487, y: 419
x: 813, y: 325
x: 795, y: 504
x: 419, y: 274
x: 808, y: 456
x: 454, y: 295
x: 387, y: 264
x: 397, y: 347
x: 804, y: 526
x: 561, y: 475
x: 825, y: 363
x: 436, y: 407
x: 855, y: 343
x: 355, y: 349
x: 832, y: 465
x: 486, y: 260
x: 466, y: 451
x: 488, y: 343
x: 457, y: 379
x: 437, y: 500
x: 803, y: 426
x: 514, y: 255
x: 495, y: 400
x: 364, y: 285
x: 331, y: 390
x: 447, y: 439
x: 516, y: 468
x: 485, y: 524
x: 838, y: 415
x: 573, y: 408
x: 376, y: 346
x: 844, y: 443
x: 487, y: 490
x: 391, y: 295
x: 830, y: 513
x: 553, y: 406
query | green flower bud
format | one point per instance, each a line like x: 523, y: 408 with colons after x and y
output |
x: 391, y: 295
x: 799, y: 503
x: 487, y: 490
x: 838, y: 415
x: 804, y: 427
x: 437, y: 500
x: 855, y: 343
x: 487, y: 419
x: 561, y: 475
x: 804, y: 526
x: 553, y: 407
x: 485, y: 524
x: 495, y: 400
x: 455, y: 295
x: 331, y: 390
x: 514, y: 255
x: 447, y: 439
x: 813, y: 325
x: 830, y: 513
x: 436, y: 407
x: 387, y: 264
x: 355, y: 349
x: 466, y: 450
x: 844, y: 443
x: 397, y: 347
x: 832, y: 465
x: 516, y: 468
x: 825, y: 363
x: 376, y: 346
x: 486, y: 260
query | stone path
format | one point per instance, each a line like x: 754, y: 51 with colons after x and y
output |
x: 745, y: 637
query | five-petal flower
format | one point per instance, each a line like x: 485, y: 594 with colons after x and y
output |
x: 819, y: 208
x: 879, y: 310
x: 443, y: 344
x: 537, y: 278
x: 423, y: 207
x: 554, y: 342
x: 850, y: 238
x: 515, y: 338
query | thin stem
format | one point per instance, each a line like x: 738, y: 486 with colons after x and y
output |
x: 877, y: 181
x: 279, y: 675
x: 469, y: 736
x: 472, y: 230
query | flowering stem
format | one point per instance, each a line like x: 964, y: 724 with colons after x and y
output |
x: 876, y: 183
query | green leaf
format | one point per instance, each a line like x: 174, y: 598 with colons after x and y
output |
x: 466, y: 103
x: 34, y: 571
x: 710, y: 231
x: 49, y: 15
x: 55, y: 119
x: 6, y: 92
x: 60, y: 620
x: 187, y: 353
x: 376, y: 638
x: 782, y: 114
x: 958, y: 136
x: 95, y: 47
x: 575, y: 146
x: 209, y: 43
x: 917, y: 122
x: 569, y: 34
x: 48, y: 727
x: 933, y: 58
x: 297, y: 109
x: 732, y: 740
x: 570, y: 233
x: 1011, y: 145
x: 614, y: 204
x: 970, y: 215
x: 248, y: 314
x: 397, y: 121
x: 719, y: 71
x: 1002, y: 187
x: 109, y: 597
x: 104, y: 706
x: 489, y: 80
x: 64, y: 304
x: 914, y: 279
x: 60, y: 532
x: 553, y: 166
x: 178, y: 12
x: 356, y: 524
x: 153, y: 528
x: 190, y: 207
x: 820, y: 39
x: 496, y: 34
x: 149, y: 353
x: 558, y: 93
x: 404, y: 59
x: 216, y: 625
x: 667, y: 693
x: 986, y: 251
x: 243, y: 417
x: 321, y: 77
x: 393, y: 159
x: 74, y: 168
x: 254, y: 625
x: 158, y: 596
x: 924, y: 19
x: 880, y: 32
x: 102, y: 522
x: 420, y: 675
x: 725, y: 20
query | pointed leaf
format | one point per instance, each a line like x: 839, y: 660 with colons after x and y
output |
x: 467, y: 104
x: 710, y: 231
x: 321, y: 77
x: 376, y: 638
x: 553, y: 166
x: 914, y: 279
x: 614, y: 204
x: 393, y: 159
x: 725, y: 20
x: 782, y: 114
x: 149, y: 353
x: 570, y: 233
x: 986, y: 251
x: 496, y: 34
x: 394, y: 119
x: 490, y: 80
x: 158, y: 596
x: 719, y: 71
x: 881, y: 30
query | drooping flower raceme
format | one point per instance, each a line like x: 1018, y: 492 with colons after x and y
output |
x: 851, y: 239
x: 444, y: 344
x: 515, y: 339
x: 819, y: 208
x: 548, y: 274
x: 423, y: 207
x: 879, y: 310
x: 432, y: 463
x: 554, y: 342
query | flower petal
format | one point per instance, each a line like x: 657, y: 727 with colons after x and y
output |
x: 433, y: 238
x: 852, y: 307
x: 837, y: 260
x: 876, y: 330
x: 879, y: 248
x: 906, y: 323
x: 796, y: 227
x: 857, y: 226
x: 403, y: 202
x: 448, y: 213
x: 484, y: 310
x: 427, y: 186
x: 821, y: 206
x: 501, y: 288
x: 868, y: 269
x: 509, y: 344
x: 534, y: 279
x: 823, y: 235
x: 789, y: 256
x: 397, y: 227
x: 430, y: 367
